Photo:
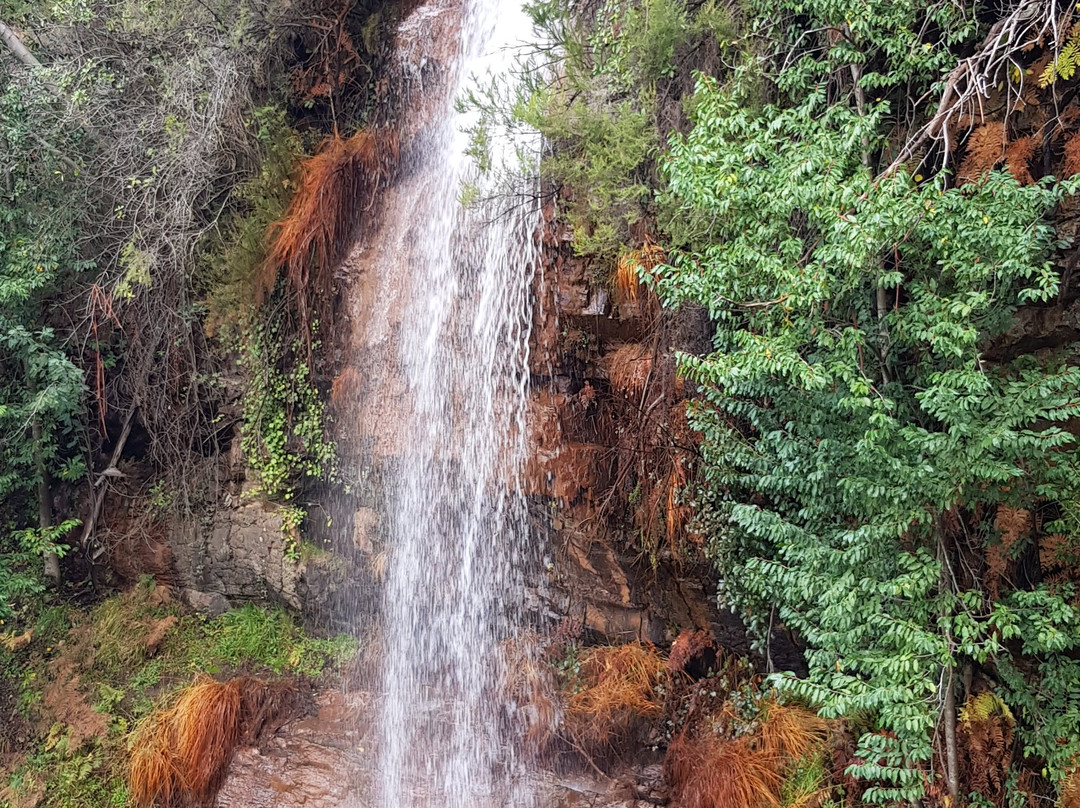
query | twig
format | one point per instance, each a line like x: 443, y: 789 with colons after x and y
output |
x: 99, y: 497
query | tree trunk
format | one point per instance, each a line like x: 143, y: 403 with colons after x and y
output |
x: 44, y: 494
x: 952, y: 763
x: 17, y: 48
x: 948, y: 706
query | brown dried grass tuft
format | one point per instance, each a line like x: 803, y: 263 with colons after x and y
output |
x: 616, y: 687
x: 716, y: 773
x: 791, y: 733
x: 645, y: 259
x: 153, y: 776
x: 628, y: 368
x: 335, y: 185
x: 180, y: 755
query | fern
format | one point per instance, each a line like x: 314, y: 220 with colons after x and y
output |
x: 1064, y: 65
x: 984, y: 706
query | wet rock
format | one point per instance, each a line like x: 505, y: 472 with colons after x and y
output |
x: 316, y: 761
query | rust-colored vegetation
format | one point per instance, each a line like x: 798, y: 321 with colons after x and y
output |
x: 334, y: 187
x: 687, y: 646
x: 180, y: 755
x: 615, y: 688
x: 985, y: 743
x: 734, y: 747
x: 1011, y: 525
x: 644, y: 259
x: 791, y: 733
x: 714, y: 773
x: 628, y: 369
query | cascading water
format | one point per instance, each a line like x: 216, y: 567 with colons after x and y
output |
x: 458, y: 547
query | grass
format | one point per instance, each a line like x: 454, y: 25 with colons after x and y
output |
x: 186, y: 748
x: 722, y: 760
x: 134, y: 651
x: 612, y: 687
x: 717, y: 773
x: 632, y: 264
x: 257, y: 640
x: 181, y: 752
x: 64, y: 779
x: 334, y: 185
x: 790, y: 732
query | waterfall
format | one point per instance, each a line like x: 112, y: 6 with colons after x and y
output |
x: 457, y: 539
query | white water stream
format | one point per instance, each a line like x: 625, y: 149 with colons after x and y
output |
x: 458, y: 544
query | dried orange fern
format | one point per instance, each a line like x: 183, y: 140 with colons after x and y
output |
x: 1011, y: 525
x: 1018, y: 156
x: 1072, y: 154
x: 985, y: 150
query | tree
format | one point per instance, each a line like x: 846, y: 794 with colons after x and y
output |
x: 854, y: 430
x: 41, y: 389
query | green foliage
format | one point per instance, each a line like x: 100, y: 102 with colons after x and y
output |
x: 1063, y: 66
x: 234, y: 261
x: 1042, y: 683
x: 267, y: 639
x: 41, y: 389
x: 848, y: 405
x: 284, y: 428
x: 600, y: 114
x: 20, y: 562
x: 74, y: 778
x: 123, y: 677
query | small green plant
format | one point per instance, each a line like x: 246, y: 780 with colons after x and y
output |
x: 284, y: 432
x: 292, y: 518
x: 1063, y: 66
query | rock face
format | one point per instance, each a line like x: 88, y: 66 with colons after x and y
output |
x: 317, y: 761
x: 324, y: 760
x: 240, y: 556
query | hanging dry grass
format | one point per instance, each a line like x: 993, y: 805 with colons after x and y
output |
x: 616, y: 687
x: 180, y: 755
x: 791, y: 733
x: 183, y: 752
x: 629, y: 368
x: 716, y: 773
x: 645, y: 259
x: 335, y: 185
x: 153, y: 776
